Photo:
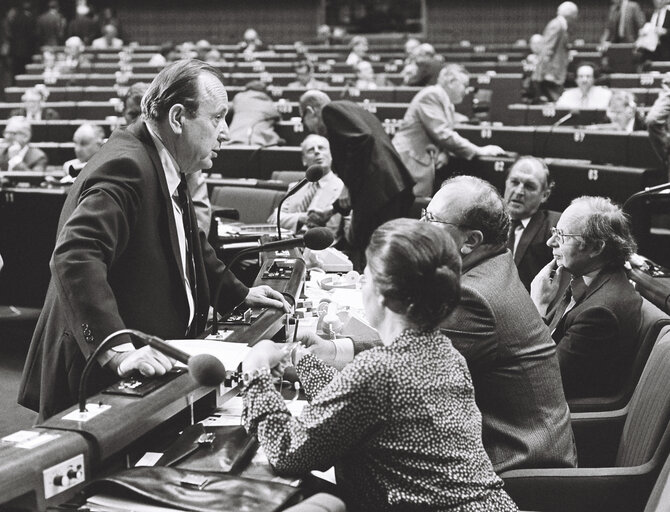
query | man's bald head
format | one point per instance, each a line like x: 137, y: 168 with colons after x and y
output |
x: 88, y: 139
x: 311, y: 104
x: 568, y: 10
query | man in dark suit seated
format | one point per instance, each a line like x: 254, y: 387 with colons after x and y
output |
x: 128, y: 252
x: 528, y: 187
x: 18, y: 154
x: 508, y: 348
x: 585, y: 296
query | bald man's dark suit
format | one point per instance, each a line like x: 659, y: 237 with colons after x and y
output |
x: 379, y: 184
x: 532, y: 252
x: 116, y: 265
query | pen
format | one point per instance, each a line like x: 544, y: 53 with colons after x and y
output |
x: 295, y: 331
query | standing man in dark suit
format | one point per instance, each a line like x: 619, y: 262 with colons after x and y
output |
x: 589, y: 304
x: 509, y: 351
x: 552, y: 66
x: 378, y: 183
x: 528, y: 187
x: 128, y: 253
x: 624, y: 21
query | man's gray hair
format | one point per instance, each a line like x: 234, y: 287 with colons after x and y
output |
x: 607, y: 223
x: 486, y: 210
x: 177, y: 83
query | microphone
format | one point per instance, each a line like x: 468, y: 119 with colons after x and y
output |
x: 315, y: 239
x: 205, y: 369
x: 313, y: 173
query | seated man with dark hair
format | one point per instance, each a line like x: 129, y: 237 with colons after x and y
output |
x: 527, y: 188
x: 585, y: 296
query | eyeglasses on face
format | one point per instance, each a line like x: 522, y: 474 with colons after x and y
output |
x: 427, y: 216
x: 561, y: 235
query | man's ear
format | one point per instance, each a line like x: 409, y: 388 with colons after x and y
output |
x: 176, y: 116
x: 473, y: 239
x: 596, y: 248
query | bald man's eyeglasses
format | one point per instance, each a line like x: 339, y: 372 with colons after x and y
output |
x: 426, y: 216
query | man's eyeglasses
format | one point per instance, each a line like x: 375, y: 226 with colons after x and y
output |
x: 560, y: 235
x: 426, y: 216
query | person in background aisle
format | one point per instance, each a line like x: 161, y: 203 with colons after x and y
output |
x: 88, y: 139
x: 508, y: 348
x: 32, y: 105
x: 624, y: 21
x: 377, y: 183
x: 586, y: 299
x: 391, y: 451
x: 552, y: 66
x: 108, y: 39
x: 19, y: 28
x: 84, y: 25
x: 585, y: 95
x: 312, y: 205
x: 255, y: 115
x: 128, y: 252
x: 50, y: 25
x: 426, y: 134
x: 527, y: 188
x: 17, y: 154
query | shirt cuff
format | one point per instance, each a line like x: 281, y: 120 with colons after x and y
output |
x: 107, y: 356
x: 344, y: 352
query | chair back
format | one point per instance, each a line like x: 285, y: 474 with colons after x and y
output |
x: 287, y: 177
x: 255, y: 205
x: 646, y: 435
x: 652, y: 320
x: 659, y: 500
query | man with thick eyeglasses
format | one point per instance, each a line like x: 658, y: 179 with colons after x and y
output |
x: 586, y: 298
x: 508, y: 348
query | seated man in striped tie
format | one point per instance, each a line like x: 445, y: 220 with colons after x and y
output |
x: 585, y: 297
x: 312, y: 205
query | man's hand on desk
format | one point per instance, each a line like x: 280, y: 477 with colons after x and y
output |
x: 265, y: 296
x: 490, y: 150
x: 145, y: 360
x: 317, y: 218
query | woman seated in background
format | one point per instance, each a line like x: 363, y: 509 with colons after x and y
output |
x: 399, y: 423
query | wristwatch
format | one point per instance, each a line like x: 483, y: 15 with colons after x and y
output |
x: 248, y: 377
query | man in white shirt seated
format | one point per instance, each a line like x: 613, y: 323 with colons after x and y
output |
x: 312, y: 205
x: 16, y: 154
x: 108, y: 39
x: 585, y: 95
x: 88, y: 139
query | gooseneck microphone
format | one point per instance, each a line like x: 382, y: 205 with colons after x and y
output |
x: 313, y: 173
x: 315, y: 239
x: 205, y: 369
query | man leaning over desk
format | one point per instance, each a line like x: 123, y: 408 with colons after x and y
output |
x: 123, y: 257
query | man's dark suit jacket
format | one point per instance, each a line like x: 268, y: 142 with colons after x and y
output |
x: 532, y: 252
x: 116, y: 265
x: 597, y: 337
x: 379, y: 184
x: 515, y: 372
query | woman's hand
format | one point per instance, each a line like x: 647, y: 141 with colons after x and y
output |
x: 266, y: 354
